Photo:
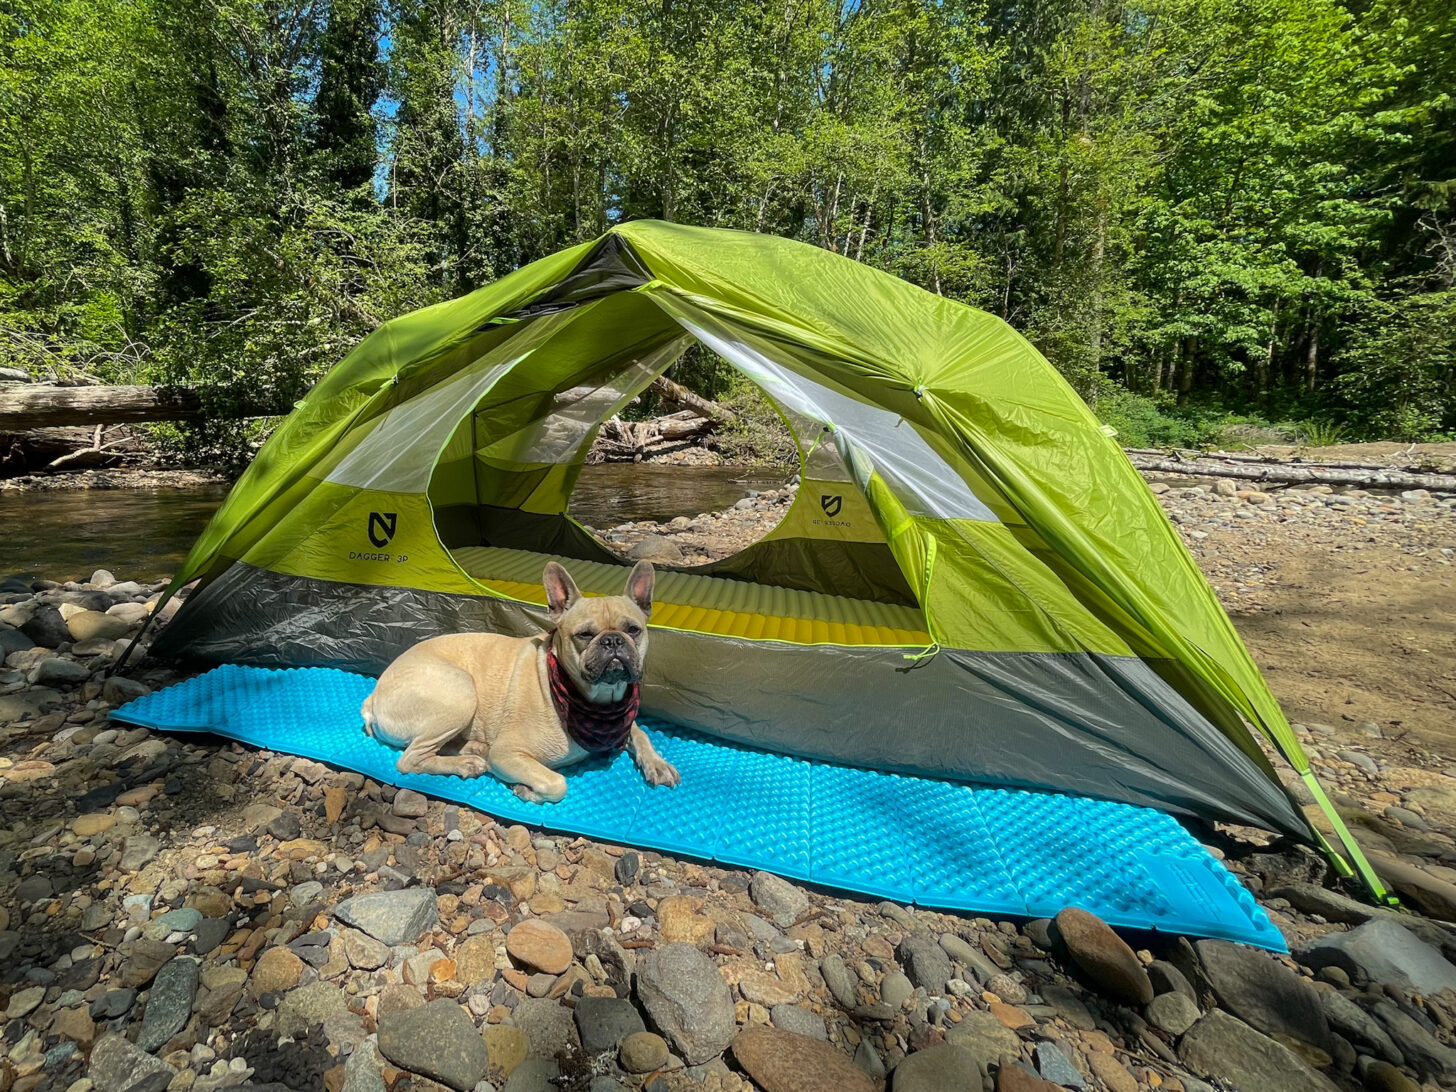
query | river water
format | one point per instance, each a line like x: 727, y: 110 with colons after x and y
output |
x: 143, y: 534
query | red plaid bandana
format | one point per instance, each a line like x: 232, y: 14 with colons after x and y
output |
x: 600, y: 729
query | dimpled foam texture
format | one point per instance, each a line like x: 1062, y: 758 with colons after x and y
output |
x: 940, y: 844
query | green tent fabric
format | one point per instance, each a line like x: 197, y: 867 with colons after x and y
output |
x: 972, y: 581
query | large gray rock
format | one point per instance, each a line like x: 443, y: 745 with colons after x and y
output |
x: 1056, y: 1067
x: 657, y: 549
x: 1332, y: 906
x: 27, y: 703
x: 925, y: 962
x: 1357, y: 1025
x: 603, y: 1022
x: 688, y: 1000
x: 170, y: 1002
x: 362, y: 1072
x: 798, y: 1021
x: 12, y: 640
x: 1429, y: 1057
x: 1431, y: 894
x: 984, y: 1037
x: 1263, y: 992
x: 895, y: 989
x: 840, y: 982
x: 969, y: 956
x: 117, y: 1063
x: 305, y: 1006
x: 779, y: 899
x: 46, y: 627
x: 437, y: 1040
x: 137, y: 850
x: 59, y: 671
x: 118, y: 690
x: 89, y: 624
x: 1384, y: 952
x: 534, y: 1075
x: 1166, y: 978
x: 547, y: 1025
x: 939, y: 1069
x: 1438, y: 802
x: 391, y: 917
x: 1224, y: 1048
x: 1172, y: 1012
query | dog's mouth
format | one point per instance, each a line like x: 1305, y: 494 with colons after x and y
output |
x: 613, y: 667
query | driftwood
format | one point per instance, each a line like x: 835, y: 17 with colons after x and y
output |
x: 68, y: 447
x: 1183, y: 453
x: 679, y: 395
x: 41, y: 405
x: 38, y: 405
x: 1289, y: 473
x: 620, y: 440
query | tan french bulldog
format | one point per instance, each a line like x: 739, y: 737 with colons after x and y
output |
x: 522, y: 707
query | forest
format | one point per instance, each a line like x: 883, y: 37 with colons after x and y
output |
x: 1199, y: 210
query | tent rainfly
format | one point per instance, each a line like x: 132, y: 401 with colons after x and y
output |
x: 973, y: 582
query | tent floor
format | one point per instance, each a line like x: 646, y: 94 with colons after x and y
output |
x: 709, y: 604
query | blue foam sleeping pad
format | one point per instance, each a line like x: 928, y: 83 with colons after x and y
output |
x: 941, y: 844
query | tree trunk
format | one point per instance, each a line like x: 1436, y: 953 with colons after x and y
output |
x: 1311, y: 358
x: 679, y: 395
x: 1294, y: 474
x: 1099, y: 250
x: 71, y: 446
x: 1185, y: 375
x: 41, y: 406
x: 1264, y: 365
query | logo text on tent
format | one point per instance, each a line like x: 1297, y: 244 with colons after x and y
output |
x: 831, y: 505
x: 382, y: 526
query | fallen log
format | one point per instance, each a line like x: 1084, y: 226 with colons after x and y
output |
x: 679, y: 395
x: 68, y: 446
x: 630, y: 440
x: 32, y: 406
x: 1183, y: 453
x: 39, y: 405
x: 1296, y: 473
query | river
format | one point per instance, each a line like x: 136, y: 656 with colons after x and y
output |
x: 143, y: 534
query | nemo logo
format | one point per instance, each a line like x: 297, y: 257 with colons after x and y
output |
x: 382, y: 526
x: 831, y: 505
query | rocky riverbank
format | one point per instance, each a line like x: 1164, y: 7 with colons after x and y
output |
x: 119, y: 477
x: 184, y: 913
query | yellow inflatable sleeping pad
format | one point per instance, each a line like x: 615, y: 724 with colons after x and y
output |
x: 709, y: 604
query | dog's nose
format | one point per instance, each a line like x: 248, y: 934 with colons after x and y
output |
x: 613, y: 641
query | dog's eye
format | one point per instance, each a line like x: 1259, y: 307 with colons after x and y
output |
x: 585, y: 634
x: 631, y: 629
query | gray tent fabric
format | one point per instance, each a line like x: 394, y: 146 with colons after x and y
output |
x: 1118, y: 731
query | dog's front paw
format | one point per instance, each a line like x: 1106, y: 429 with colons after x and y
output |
x: 658, y: 771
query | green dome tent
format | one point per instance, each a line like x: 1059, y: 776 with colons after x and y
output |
x: 973, y: 582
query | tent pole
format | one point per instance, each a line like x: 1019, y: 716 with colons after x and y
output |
x: 1357, y: 856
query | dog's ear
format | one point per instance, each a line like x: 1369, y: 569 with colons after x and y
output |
x: 639, y: 586
x: 561, y: 592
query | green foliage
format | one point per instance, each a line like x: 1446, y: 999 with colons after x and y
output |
x: 1209, y: 214
x: 758, y: 434
x: 1146, y: 422
x: 1321, y: 433
x: 1399, y: 376
x: 1159, y: 422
